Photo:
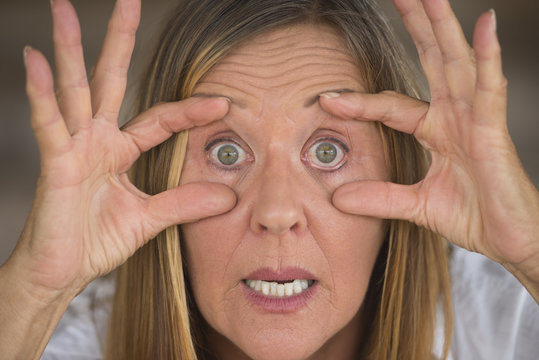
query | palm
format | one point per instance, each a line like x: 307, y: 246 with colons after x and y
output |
x: 90, y: 192
x: 448, y: 194
x: 87, y: 217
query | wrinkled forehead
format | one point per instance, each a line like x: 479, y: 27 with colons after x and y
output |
x: 296, y: 62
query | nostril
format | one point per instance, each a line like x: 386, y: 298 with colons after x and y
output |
x: 276, y: 212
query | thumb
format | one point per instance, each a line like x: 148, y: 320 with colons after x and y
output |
x: 187, y: 203
x: 379, y: 199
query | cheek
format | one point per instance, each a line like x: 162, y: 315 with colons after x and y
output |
x: 207, y: 255
x: 350, y: 245
x: 210, y: 247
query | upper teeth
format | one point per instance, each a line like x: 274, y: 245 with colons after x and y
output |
x: 279, y: 290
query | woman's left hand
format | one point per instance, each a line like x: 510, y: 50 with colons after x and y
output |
x: 476, y: 193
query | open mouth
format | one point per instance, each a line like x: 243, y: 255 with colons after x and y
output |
x: 279, y: 289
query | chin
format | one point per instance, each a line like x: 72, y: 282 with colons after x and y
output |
x: 279, y: 345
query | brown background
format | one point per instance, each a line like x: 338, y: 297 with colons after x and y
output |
x: 28, y: 22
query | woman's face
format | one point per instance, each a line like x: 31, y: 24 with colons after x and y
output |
x: 283, y: 274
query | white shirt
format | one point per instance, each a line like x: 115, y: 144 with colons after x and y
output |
x: 494, y: 316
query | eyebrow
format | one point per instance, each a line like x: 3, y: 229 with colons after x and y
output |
x: 241, y: 104
x: 310, y: 102
x: 313, y: 100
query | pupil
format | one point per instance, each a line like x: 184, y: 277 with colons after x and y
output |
x: 326, y: 152
x: 227, y: 154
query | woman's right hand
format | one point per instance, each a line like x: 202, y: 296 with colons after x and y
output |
x: 87, y: 217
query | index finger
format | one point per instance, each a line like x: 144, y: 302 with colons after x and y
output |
x: 395, y: 110
x: 157, y: 124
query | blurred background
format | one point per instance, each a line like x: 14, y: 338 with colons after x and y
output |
x: 25, y: 22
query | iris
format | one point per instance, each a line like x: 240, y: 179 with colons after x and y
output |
x: 228, y: 154
x: 326, y: 152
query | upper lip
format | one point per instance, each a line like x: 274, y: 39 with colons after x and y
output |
x: 286, y: 274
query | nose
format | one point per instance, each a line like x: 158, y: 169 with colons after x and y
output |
x: 278, y: 208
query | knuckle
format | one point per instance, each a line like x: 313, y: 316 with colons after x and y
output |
x: 427, y: 46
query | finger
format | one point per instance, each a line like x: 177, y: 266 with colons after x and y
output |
x: 110, y: 76
x: 47, y: 122
x: 186, y: 203
x: 394, y: 110
x: 419, y: 27
x: 456, y: 53
x: 379, y: 199
x: 491, y: 86
x: 73, y: 92
x: 161, y: 121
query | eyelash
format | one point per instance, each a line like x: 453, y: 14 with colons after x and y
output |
x: 215, y: 144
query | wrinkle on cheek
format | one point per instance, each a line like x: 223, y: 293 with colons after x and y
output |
x: 320, y: 322
x: 330, y: 293
x: 229, y: 264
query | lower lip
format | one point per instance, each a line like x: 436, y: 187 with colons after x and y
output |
x: 276, y: 304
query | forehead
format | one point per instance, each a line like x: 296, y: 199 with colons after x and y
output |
x: 299, y: 61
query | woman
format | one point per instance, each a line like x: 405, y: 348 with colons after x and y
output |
x: 291, y: 166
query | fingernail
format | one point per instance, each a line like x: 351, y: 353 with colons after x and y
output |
x: 330, y: 95
x: 227, y: 99
x: 25, y: 52
x: 494, y: 22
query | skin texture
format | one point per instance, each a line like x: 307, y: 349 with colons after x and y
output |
x: 284, y: 216
x: 87, y: 218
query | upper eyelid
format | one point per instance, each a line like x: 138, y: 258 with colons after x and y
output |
x: 345, y: 147
x: 220, y: 140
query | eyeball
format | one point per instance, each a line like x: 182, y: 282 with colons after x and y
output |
x: 325, y: 155
x: 228, y: 154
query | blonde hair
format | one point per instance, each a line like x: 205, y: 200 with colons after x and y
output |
x: 154, y: 315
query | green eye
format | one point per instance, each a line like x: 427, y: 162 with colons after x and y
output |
x: 326, y: 155
x: 227, y: 154
x: 326, y: 152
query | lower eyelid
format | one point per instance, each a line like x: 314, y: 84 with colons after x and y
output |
x: 224, y: 169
